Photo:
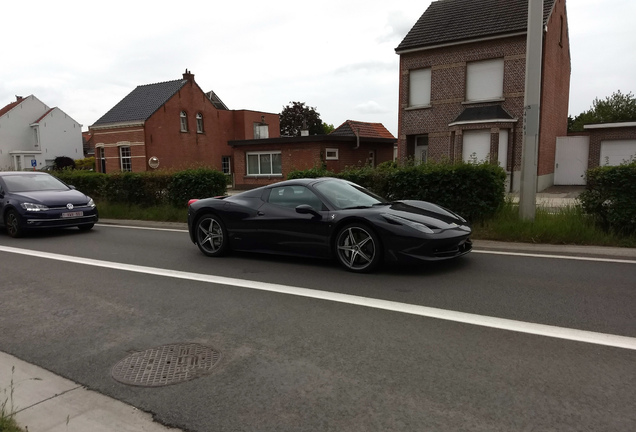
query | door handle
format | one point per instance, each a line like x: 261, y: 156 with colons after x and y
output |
x: 260, y: 213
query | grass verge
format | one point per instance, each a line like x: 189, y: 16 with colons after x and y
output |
x: 563, y: 225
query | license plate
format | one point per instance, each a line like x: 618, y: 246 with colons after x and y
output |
x: 72, y: 214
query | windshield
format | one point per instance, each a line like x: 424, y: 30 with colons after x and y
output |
x: 32, y: 183
x: 344, y: 195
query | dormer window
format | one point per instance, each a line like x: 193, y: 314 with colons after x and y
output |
x: 199, y: 123
x: 184, y: 121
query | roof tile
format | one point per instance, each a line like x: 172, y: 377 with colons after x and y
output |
x: 453, y: 21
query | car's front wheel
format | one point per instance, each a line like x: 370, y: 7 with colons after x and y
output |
x: 358, y: 248
x: 211, y: 236
x: 12, y: 223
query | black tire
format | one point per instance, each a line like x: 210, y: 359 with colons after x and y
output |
x: 87, y: 227
x: 211, y: 236
x: 12, y: 223
x: 358, y: 248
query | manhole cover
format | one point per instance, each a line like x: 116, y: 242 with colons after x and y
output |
x: 165, y: 365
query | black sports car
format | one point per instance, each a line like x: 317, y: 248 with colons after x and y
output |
x: 30, y: 200
x: 326, y: 218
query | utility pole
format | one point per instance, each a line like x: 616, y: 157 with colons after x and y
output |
x: 530, y: 146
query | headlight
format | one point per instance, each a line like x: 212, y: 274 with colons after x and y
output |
x: 91, y: 203
x: 33, y: 207
x: 418, y: 226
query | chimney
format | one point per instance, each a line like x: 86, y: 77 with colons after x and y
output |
x: 188, y: 76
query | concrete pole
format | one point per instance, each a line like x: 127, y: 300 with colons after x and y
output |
x: 530, y: 146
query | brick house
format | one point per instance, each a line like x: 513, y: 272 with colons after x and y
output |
x: 354, y: 143
x: 32, y: 135
x: 174, y: 125
x: 462, y: 84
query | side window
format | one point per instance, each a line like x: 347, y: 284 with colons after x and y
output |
x: 293, y: 196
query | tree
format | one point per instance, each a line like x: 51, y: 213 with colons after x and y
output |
x: 298, y: 116
x: 616, y: 108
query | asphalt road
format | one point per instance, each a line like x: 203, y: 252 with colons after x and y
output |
x: 310, y: 347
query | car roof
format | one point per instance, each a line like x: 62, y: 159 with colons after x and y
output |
x: 32, y: 173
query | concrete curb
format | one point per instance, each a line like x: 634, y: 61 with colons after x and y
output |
x: 45, y: 402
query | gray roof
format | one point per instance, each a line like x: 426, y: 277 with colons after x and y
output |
x: 483, y: 113
x: 216, y: 101
x: 456, y: 21
x: 142, y: 102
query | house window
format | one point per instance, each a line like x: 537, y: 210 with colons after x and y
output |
x: 263, y: 163
x: 37, y: 138
x: 484, y: 80
x: 226, y: 167
x: 125, y: 159
x: 331, y: 154
x: 102, y: 160
x: 261, y: 131
x: 421, y: 149
x: 420, y: 88
x: 184, y: 121
x: 199, y: 123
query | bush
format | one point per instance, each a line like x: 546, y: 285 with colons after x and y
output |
x: 474, y: 191
x: 610, y: 197
x: 85, y: 164
x: 147, y: 188
x: 196, y: 183
x: 63, y: 162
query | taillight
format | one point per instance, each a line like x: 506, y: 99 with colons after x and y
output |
x: 192, y: 201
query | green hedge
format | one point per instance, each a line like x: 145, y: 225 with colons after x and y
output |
x: 147, y: 188
x: 610, y: 197
x: 474, y: 191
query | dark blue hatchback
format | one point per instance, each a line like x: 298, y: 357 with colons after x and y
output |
x: 30, y: 200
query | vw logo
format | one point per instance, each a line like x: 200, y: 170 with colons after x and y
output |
x: 69, y: 206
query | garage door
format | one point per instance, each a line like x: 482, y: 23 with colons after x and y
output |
x: 571, y: 160
x: 616, y: 152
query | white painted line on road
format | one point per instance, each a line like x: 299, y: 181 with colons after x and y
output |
x: 143, y: 228
x: 568, y: 257
x: 448, y: 315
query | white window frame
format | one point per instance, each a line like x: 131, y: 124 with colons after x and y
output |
x: 125, y: 161
x: 260, y: 171
x: 334, y: 155
x: 199, y: 123
x: 226, y: 164
x: 419, y: 88
x: 261, y: 131
x: 484, y: 80
x: 184, y: 121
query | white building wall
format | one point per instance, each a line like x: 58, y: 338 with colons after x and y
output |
x: 59, y: 135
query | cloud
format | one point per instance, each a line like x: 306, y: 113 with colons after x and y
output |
x: 371, y: 107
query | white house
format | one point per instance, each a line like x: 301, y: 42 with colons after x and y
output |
x: 32, y: 135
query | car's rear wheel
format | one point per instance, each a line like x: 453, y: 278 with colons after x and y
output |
x: 211, y: 236
x: 12, y: 223
x: 358, y: 248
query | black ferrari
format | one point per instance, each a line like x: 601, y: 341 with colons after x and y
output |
x: 326, y: 218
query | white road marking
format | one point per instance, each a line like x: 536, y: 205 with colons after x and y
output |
x: 568, y: 257
x: 143, y: 228
x: 448, y: 315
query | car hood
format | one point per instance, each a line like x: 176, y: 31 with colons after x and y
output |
x: 52, y: 198
x: 426, y: 213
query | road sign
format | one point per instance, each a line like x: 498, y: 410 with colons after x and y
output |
x: 34, y: 163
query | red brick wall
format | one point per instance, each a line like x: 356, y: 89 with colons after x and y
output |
x: 306, y: 155
x: 555, y: 92
x: 112, y: 139
x: 448, y: 91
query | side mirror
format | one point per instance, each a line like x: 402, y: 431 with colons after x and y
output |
x: 307, y: 209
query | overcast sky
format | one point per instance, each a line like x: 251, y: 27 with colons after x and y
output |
x: 337, y: 56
